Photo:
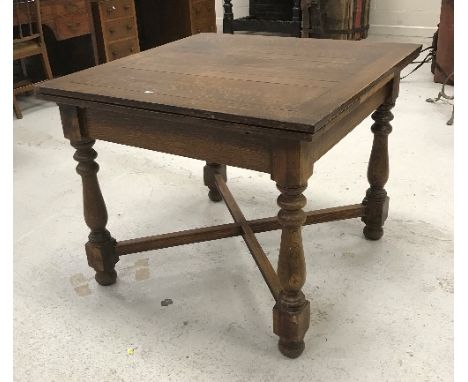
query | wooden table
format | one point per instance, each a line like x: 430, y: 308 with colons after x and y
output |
x: 270, y: 104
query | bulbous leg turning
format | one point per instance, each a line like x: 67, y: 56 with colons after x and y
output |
x: 376, y: 201
x: 100, y: 248
x: 291, y: 314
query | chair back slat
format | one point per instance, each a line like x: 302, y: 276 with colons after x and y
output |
x: 28, y: 41
x: 17, y: 13
x: 30, y: 21
x: 26, y: 18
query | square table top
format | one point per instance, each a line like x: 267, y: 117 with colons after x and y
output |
x: 268, y: 81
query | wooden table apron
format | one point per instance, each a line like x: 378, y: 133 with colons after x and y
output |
x: 287, y: 155
x: 287, y: 151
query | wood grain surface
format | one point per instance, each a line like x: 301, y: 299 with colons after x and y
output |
x: 283, y: 83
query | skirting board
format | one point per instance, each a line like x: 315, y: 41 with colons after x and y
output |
x: 402, y: 30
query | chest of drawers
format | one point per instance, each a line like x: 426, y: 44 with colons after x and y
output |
x: 163, y: 21
x: 115, y: 30
x: 202, y: 16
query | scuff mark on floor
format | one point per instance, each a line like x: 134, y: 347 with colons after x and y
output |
x: 80, y: 284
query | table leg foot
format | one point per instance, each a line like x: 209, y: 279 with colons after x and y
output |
x: 376, y: 201
x: 291, y: 317
x: 291, y: 349
x: 373, y: 233
x: 106, y: 278
x: 100, y: 250
x: 209, y: 172
x: 214, y: 195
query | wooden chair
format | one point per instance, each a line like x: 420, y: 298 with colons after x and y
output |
x: 272, y: 16
x: 28, y: 41
x: 332, y: 19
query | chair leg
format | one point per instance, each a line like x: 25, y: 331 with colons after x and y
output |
x: 296, y: 18
x: 16, y: 108
x: 46, y: 64
x: 23, y: 68
x: 228, y: 17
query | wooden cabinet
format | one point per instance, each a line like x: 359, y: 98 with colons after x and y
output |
x: 123, y: 27
x: 72, y: 26
x: 122, y: 48
x: 115, y: 30
x: 114, y: 9
x: 163, y: 21
x: 202, y: 16
x: 119, y: 28
x: 443, y: 63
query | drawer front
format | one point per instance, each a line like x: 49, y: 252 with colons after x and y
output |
x: 72, y: 7
x: 72, y: 26
x: 120, y: 28
x: 59, y: 8
x: 112, y: 9
x: 203, y: 16
x: 121, y: 49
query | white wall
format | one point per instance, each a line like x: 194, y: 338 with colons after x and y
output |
x: 394, y: 17
x: 404, y: 17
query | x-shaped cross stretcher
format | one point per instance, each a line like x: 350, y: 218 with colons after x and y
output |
x: 241, y: 226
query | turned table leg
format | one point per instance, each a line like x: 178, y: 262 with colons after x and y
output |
x: 376, y: 201
x: 209, y: 172
x: 291, y: 314
x: 100, y: 249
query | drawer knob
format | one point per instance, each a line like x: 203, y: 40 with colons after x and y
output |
x: 111, y: 30
x: 129, y: 27
x: 126, y: 7
x: 71, y: 7
x: 73, y: 27
x: 111, y: 9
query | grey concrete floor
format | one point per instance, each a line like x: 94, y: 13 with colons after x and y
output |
x: 381, y: 311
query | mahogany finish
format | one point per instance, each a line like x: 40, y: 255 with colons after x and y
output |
x: 271, y: 104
